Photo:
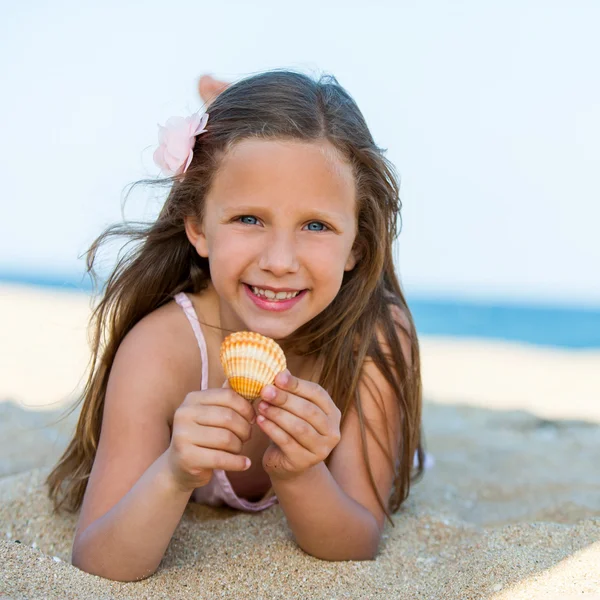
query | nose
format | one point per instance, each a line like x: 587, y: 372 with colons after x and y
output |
x: 279, y: 254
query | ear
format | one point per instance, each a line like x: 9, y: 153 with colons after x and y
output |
x: 195, y: 234
x: 352, y: 260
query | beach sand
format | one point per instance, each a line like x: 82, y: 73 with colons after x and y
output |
x: 511, y: 508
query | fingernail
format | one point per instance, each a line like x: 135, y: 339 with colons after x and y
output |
x: 269, y: 392
x: 284, y: 377
x: 248, y: 463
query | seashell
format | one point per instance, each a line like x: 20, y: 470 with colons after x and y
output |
x: 251, y: 361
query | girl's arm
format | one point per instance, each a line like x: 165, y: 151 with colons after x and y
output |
x: 129, y: 541
x: 334, y: 513
x: 143, y: 475
x: 326, y: 521
x: 132, y: 504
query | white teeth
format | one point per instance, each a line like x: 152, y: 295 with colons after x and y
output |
x: 271, y: 295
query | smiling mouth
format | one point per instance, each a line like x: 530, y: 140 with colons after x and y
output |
x: 272, y: 296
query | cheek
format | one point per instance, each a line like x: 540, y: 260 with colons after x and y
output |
x: 228, y: 249
x: 327, y: 266
x: 328, y: 258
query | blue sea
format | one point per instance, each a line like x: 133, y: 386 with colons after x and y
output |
x: 560, y: 326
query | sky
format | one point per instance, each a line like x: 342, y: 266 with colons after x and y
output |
x: 489, y: 111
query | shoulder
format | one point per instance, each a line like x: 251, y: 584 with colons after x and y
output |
x: 165, y: 331
x: 376, y: 394
x: 162, y: 351
x: 401, y: 328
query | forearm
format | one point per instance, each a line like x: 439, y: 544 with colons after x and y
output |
x: 325, y: 521
x: 129, y: 541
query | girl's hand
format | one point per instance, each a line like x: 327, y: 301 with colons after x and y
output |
x: 209, y: 429
x: 302, y: 422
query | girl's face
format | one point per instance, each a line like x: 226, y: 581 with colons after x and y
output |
x: 280, y: 219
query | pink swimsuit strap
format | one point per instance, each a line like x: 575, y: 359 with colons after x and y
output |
x: 190, y: 313
x: 218, y: 489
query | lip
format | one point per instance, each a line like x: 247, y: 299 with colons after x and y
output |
x: 273, y: 306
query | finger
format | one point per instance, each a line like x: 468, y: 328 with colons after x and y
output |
x: 224, y: 396
x: 300, y: 407
x: 216, y: 438
x: 227, y: 386
x: 303, y: 433
x: 207, y: 458
x: 223, y: 417
x: 305, y: 389
x: 295, y: 452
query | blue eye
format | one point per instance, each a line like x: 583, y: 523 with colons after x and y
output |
x: 247, y: 217
x: 320, y: 226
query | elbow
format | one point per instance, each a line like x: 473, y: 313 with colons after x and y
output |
x: 358, y: 550
x: 370, y: 551
x: 342, y: 554
x: 89, y: 565
x: 100, y: 571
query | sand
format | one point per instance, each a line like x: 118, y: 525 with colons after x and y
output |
x: 511, y: 508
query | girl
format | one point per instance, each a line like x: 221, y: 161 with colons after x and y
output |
x: 280, y: 219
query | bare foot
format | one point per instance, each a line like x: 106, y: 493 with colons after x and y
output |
x: 209, y: 88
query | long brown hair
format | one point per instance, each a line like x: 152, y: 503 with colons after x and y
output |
x: 162, y: 262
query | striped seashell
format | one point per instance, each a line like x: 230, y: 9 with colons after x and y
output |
x: 251, y: 361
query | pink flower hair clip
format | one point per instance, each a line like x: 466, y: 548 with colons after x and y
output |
x: 176, y: 142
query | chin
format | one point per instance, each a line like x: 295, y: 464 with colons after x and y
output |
x: 274, y: 327
x: 274, y: 332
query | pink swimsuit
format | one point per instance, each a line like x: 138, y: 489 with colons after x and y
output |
x: 218, y: 490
